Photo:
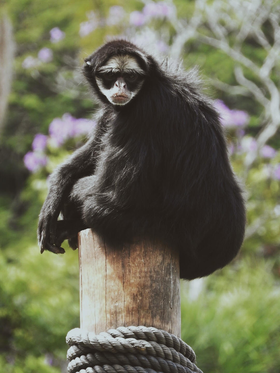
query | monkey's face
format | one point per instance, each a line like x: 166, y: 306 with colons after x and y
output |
x: 120, y: 79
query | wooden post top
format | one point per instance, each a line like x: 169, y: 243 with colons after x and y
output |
x: 135, y: 285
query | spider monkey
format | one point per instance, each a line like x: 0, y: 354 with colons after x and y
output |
x: 155, y: 168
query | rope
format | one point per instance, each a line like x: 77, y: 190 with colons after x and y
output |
x: 133, y: 349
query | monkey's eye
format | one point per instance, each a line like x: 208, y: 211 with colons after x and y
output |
x: 131, y: 77
x: 108, y: 76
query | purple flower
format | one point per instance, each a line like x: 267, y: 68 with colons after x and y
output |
x: 240, y: 132
x: 82, y: 126
x: 231, y: 118
x: 248, y: 144
x: 56, y: 35
x: 116, y: 15
x: 231, y: 149
x: 67, y: 127
x: 29, y: 62
x: 60, y: 129
x: 45, y: 55
x: 239, y: 118
x: 39, y: 142
x: 137, y: 19
x: 277, y: 172
x: 158, y: 10
x: 86, y: 28
x: 167, y: 10
x: 162, y: 47
x: 49, y: 359
x: 150, y: 10
x: 268, y: 152
x: 34, y: 161
x: 224, y: 111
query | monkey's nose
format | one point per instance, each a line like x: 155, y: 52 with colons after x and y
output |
x: 120, y: 83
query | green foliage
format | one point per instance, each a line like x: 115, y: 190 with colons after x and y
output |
x: 31, y: 365
x: 39, y: 304
x: 234, y: 324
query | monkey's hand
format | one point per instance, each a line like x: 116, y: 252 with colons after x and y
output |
x: 47, y: 236
x: 52, y: 232
x: 68, y: 229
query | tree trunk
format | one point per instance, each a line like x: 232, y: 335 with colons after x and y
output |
x: 135, y: 285
x: 6, y: 64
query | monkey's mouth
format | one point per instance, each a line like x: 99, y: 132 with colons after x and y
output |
x: 120, y: 99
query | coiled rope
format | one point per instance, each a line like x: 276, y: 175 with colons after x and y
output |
x: 133, y: 349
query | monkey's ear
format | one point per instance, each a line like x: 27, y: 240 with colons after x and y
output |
x: 88, y: 62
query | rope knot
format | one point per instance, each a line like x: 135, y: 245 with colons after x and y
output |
x: 133, y: 349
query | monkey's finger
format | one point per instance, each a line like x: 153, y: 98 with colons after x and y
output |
x: 42, y: 234
x: 65, y: 235
x: 73, y: 242
x: 52, y: 230
x: 45, y: 245
x: 62, y: 232
x: 40, y: 238
x: 41, y: 241
x: 55, y: 249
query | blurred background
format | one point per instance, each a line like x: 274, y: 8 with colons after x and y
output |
x: 231, y: 318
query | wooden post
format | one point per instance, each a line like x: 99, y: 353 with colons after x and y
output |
x: 135, y: 285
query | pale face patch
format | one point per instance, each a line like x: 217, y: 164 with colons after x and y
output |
x: 121, y: 63
x: 120, y: 79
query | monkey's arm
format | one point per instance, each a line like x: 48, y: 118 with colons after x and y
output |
x: 61, y: 182
x: 80, y: 164
x: 73, y: 221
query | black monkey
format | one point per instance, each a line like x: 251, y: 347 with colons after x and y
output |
x: 156, y: 166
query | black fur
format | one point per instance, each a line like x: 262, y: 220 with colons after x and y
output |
x: 155, y: 169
